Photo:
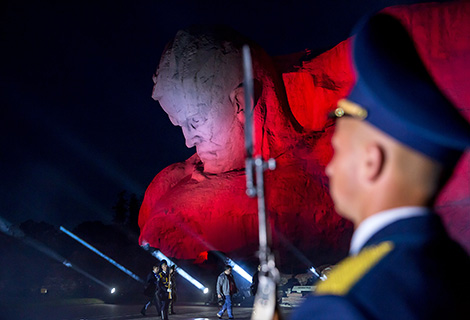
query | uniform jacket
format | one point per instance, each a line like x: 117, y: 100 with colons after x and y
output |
x: 223, y: 284
x: 172, y: 286
x: 151, y: 285
x: 410, y: 269
x: 163, y: 285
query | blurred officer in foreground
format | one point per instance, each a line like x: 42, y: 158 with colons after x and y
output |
x: 396, y: 143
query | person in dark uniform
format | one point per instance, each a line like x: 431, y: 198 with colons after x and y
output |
x: 173, y: 294
x: 151, y: 290
x: 163, y: 289
x: 255, y: 282
x: 396, y: 143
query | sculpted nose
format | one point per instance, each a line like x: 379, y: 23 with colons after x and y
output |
x: 190, y: 135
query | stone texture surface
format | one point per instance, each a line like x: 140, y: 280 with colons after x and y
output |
x: 187, y: 211
x: 441, y: 33
x: 442, y: 36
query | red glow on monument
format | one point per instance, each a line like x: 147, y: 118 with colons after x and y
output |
x: 189, y: 209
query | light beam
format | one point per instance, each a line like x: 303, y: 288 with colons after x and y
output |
x: 117, y: 265
x: 160, y: 256
x: 15, y: 232
x: 245, y: 275
x: 299, y: 255
x: 322, y: 277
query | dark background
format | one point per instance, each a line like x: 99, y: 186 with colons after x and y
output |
x: 78, y: 124
x: 79, y: 127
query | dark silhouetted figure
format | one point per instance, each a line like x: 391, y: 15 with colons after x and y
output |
x: 151, y: 291
x: 163, y: 289
x: 173, y: 294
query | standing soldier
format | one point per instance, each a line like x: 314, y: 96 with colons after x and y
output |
x: 172, y: 288
x: 164, y: 289
x: 255, y: 282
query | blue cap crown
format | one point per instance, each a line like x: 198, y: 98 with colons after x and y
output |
x: 395, y: 93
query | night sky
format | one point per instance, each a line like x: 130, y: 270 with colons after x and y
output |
x: 78, y: 124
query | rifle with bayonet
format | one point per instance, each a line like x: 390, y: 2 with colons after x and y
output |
x: 265, y: 306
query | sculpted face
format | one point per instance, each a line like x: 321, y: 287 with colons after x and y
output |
x: 198, y: 87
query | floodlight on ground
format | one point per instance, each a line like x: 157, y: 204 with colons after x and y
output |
x: 87, y: 245
x: 67, y: 264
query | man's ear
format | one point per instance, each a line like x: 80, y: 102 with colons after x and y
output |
x: 374, y: 161
x: 237, y: 98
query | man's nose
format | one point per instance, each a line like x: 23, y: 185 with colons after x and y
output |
x: 328, y: 169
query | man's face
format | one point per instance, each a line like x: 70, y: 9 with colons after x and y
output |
x: 228, y: 271
x: 164, y: 267
x: 342, y: 170
x: 209, y: 120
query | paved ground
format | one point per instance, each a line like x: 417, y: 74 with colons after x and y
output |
x: 119, y: 312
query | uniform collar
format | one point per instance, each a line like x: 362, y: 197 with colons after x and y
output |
x: 380, y: 220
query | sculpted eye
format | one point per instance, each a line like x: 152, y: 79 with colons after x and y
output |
x: 197, y: 121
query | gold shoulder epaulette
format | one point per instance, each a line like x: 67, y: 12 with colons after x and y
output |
x: 349, y: 271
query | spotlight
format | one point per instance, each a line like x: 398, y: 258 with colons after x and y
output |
x: 67, y: 264
x: 206, y: 291
x: 113, y: 290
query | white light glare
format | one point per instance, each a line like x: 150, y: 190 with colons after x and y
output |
x: 160, y: 256
x: 113, y: 290
x: 206, y: 291
x: 89, y: 246
x: 314, y: 271
x: 245, y: 275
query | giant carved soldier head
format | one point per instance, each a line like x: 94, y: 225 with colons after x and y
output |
x: 198, y: 84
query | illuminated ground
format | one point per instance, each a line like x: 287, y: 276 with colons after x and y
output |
x: 121, y: 312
